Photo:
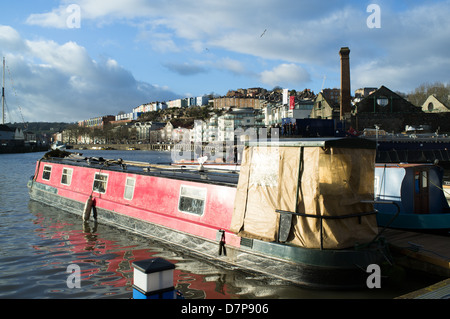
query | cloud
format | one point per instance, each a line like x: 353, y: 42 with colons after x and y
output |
x: 285, y: 74
x: 411, y: 46
x: 414, y: 48
x: 10, y: 39
x: 61, y: 82
x: 234, y: 66
x: 57, y: 18
x: 185, y: 68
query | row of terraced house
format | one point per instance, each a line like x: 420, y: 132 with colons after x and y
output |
x: 245, y: 108
x: 258, y: 108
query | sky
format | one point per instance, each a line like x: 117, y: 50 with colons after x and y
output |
x: 70, y: 60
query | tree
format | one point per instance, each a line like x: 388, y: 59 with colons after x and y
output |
x: 421, y: 93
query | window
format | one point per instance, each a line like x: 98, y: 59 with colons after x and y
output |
x: 47, y: 172
x: 382, y: 101
x: 424, y: 179
x: 430, y: 107
x: 66, y: 177
x: 129, y: 188
x: 192, y: 200
x: 100, y: 182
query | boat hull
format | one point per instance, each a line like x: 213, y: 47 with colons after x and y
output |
x: 415, y: 221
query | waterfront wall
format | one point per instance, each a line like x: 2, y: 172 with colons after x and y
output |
x: 124, y: 147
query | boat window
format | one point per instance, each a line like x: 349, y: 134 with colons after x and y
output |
x: 424, y: 179
x: 47, y: 172
x: 192, y: 200
x: 129, y: 188
x: 100, y: 182
x: 66, y: 177
x: 416, y: 183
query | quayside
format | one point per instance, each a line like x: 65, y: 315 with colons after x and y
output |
x: 299, y: 210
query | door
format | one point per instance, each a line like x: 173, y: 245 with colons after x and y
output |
x: 421, y: 192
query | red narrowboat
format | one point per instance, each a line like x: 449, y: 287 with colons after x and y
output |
x: 299, y: 210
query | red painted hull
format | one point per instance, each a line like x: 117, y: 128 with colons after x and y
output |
x: 155, y: 199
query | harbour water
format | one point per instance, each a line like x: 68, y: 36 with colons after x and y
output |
x: 38, y: 243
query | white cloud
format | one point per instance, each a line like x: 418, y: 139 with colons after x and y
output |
x: 411, y: 46
x: 57, y: 18
x: 232, y: 65
x: 61, y: 82
x: 285, y: 74
x: 10, y: 39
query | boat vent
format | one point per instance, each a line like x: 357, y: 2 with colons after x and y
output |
x: 247, y: 242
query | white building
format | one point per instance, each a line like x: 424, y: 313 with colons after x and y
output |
x: 241, y: 119
x: 275, y: 112
x: 202, y: 100
x: 132, y: 116
x: 144, y: 129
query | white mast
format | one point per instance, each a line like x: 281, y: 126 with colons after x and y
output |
x: 3, y: 93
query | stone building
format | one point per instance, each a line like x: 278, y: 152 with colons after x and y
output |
x: 97, y: 122
x: 434, y: 105
x: 386, y: 108
x: 325, y: 107
x: 238, y: 102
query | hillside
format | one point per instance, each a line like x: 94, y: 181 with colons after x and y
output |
x: 41, y: 127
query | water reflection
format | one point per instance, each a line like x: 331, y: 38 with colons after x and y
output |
x: 105, y: 255
x: 107, y: 262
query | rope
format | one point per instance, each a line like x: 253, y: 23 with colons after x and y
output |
x: 439, y: 187
x: 416, y: 248
x: 15, y: 94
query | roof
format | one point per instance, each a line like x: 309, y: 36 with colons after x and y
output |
x: 5, y: 128
x: 352, y: 142
x: 399, y: 103
x: 331, y: 103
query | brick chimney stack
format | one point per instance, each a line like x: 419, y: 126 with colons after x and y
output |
x: 345, y: 82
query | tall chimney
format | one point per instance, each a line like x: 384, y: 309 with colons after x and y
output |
x: 345, y: 81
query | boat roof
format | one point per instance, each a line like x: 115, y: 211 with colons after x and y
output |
x: 350, y: 142
x: 404, y: 165
x: 205, y: 175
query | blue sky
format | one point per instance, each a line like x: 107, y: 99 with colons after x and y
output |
x: 125, y: 53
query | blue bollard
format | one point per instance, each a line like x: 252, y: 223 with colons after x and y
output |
x: 153, y: 279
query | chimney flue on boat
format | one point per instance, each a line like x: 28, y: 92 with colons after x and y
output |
x: 345, y: 82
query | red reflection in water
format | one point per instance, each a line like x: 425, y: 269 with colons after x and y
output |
x: 118, y: 264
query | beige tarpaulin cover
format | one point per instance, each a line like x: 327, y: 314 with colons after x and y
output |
x: 329, y: 182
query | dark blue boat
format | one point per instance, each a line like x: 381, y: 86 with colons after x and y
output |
x: 416, y: 190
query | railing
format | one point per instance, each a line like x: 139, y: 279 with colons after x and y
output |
x: 321, y: 218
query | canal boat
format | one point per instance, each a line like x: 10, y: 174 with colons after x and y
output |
x: 417, y: 191
x: 298, y: 210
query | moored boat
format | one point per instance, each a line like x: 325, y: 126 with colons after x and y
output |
x: 298, y: 210
x: 446, y: 189
x: 417, y: 190
x: 58, y: 145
